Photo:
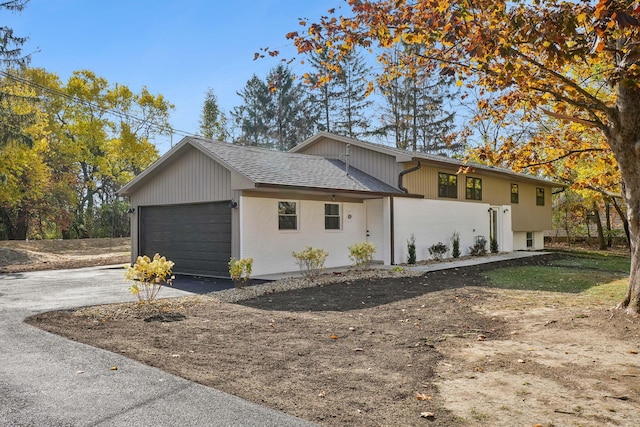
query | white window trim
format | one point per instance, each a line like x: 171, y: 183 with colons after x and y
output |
x: 297, y: 215
x: 333, y: 230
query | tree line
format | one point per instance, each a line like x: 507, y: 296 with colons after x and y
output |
x: 282, y: 109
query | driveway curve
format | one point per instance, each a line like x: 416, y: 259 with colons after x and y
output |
x: 47, y: 380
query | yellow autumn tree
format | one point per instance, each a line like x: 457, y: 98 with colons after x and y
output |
x: 533, y: 56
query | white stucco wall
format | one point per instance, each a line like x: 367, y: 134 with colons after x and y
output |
x: 520, y: 241
x: 433, y: 221
x: 271, y: 248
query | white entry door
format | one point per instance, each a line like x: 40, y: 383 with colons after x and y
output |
x: 375, y: 226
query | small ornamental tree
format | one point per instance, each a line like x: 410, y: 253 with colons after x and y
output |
x: 311, y: 261
x: 362, y: 254
x: 148, y: 276
x: 240, y: 271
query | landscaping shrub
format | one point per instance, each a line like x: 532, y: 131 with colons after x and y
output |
x: 455, y: 245
x: 479, y: 248
x: 493, y: 245
x: 311, y: 261
x: 362, y: 254
x: 240, y: 271
x: 437, y: 250
x: 411, y: 249
x: 148, y: 276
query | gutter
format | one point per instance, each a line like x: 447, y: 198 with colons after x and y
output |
x: 405, y: 172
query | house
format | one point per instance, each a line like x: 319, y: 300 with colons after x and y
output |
x: 205, y: 201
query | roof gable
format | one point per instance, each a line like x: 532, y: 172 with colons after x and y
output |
x: 263, y: 167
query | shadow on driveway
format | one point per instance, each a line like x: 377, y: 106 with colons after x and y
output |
x: 204, y: 285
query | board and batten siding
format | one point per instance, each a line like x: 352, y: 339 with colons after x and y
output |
x: 191, y: 177
x: 271, y: 248
x: 379, y: 165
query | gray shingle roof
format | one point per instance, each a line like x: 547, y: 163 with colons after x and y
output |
x: 264, y: 166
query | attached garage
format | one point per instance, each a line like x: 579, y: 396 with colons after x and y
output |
x: 197, y: 237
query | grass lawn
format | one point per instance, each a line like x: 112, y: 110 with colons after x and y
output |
x: 601, y: 275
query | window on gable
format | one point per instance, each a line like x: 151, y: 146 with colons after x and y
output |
x: 540, y: 196
x: 515, y: 195
x: 287, y: 216
x: 331, y: 216
x: 474, y: 188
x: 447, y: 185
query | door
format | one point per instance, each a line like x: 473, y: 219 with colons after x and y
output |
x: 197, y: 237
x: 375, y: 226
x: 494, y: 226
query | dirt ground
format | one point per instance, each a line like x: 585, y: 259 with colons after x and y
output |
x: 434, y: 350
x: 35, y: 255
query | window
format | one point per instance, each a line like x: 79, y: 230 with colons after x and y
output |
x: 287, y: 216
x: 540, y: 196
x: 529, y: 239
x: 474, y: 188
x: 331, y: 216
x: 447, y: 185
x: 514, y: 193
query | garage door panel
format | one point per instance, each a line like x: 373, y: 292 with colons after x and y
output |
x: 196, y: 237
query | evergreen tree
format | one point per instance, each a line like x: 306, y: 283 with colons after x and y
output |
x: 353, y: 104
x: 213, y: 122
x: 415, y: 114
x: 277, y: 113
x: 12, y: 122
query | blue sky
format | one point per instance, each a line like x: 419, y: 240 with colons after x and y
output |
x: 177, y: 48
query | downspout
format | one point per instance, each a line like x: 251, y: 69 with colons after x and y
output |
x: 405, y: 172
x: 392, y: 231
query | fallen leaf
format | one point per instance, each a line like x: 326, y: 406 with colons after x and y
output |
x: 427, y: 414
x: 422, y: 396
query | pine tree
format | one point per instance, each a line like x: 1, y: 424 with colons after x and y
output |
x: 213, y: 122
x: 414, y: 114
x: 353, y: 105
x: 277, y: 113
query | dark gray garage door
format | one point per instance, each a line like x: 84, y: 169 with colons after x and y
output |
x: 196, y: 237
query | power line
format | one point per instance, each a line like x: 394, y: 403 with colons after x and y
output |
x: 118, y: 113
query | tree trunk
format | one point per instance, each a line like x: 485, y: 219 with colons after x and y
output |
x: 623, y: 136
x: 607, y: 211
x: 625, y: 223
x: 596, y: 214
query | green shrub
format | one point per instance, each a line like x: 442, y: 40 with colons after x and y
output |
x: 148, y: 276
x: 479, y: 248
x: 362, y: 254
x: 455, y: 245
x: 438, y: 250
x: 411, y: 249
x: 311, y: 261
x: 240, y: 271
x: 493, y: 245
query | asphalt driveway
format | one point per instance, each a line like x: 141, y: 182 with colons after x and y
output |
x: 46, y: 380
